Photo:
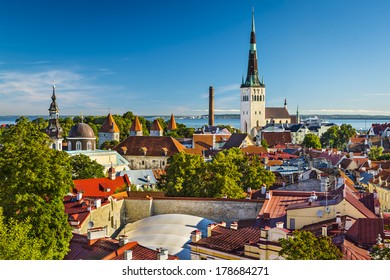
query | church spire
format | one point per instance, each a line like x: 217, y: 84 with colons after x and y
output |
x: 252, y: 78
x: 54, y: 129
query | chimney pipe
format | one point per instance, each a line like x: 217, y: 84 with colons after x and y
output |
x: 211, y: 106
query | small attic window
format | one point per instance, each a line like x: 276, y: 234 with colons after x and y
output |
x: 164, y: 151
x: 144, y: 150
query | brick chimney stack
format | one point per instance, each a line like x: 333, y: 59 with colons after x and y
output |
x: 211, y: 106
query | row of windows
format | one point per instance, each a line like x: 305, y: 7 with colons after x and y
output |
x: 247, y: 113
x: 79, y: 146
x: 254, y: 98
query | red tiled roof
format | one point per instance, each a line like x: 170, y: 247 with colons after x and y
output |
x: 136, y: 125
x: 353, y: 252
x: 154, y: 144
x: 77, y: 210
x: 364, y: 231
x: 279, y: 200
x: 107, y: 249
x: 109, y: 125
x: 230, y: 240
x: 100, y: 187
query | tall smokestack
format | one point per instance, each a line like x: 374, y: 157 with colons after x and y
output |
x: 211, y: 106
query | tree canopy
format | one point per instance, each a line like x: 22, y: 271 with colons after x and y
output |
x: 311, y: 141
x: 83, y: 167
x: 375, y: 153
x: 33, y: 182
x: 337, y: 137
x: 230, y: 173
x: 304, y: 245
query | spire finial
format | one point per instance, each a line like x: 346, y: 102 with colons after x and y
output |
x: 82, y: 117
x: 253, y: 19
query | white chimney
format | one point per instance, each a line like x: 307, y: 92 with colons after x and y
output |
x: 162, y: 254
x: 128, y: 255
x: 98, y: 203
x: 324, y: 230
x: 279, y: 224
x: 234, y: 225
x: 263, y: 189
x: 267, y: 195
x: 196, y: 235
x: 123, y: 240
x: 338, y: 218
x: 79, y: 196
x: 348, y: 223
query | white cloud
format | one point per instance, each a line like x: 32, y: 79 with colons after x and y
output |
x: 29, y: 93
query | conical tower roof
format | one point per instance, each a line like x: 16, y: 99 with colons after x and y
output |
x: 109, y: 125
x: 136, y: 125
x: 172, y: 123
x: 156, y: 126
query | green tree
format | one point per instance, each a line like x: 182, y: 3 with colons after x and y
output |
x: 184, y: 176
x: 304, y: 245
x: 33, y: 182
x: 337, y: 137
x: 311, y: 141
x: 109, y: 144
x: 329, y: 137
x: 83, y: 167
x: 16, y: 242
x: 375, y: 153
x: 225, y: 176
x: 255, y: 175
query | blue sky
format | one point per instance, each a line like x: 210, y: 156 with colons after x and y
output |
x: 160, y: 57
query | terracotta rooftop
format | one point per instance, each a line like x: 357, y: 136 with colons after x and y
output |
x: 230, y: 240
x: 382, y: 179
x: 364, y: 232
x: 108, y: 249
x: 132, y: 146
x: 156, y: 126
x: 100, y: 187
x: 109, y: 125
x: 77, y: 211
x: 172, y: 123
x: 136, y: 125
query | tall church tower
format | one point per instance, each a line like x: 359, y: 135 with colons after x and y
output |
x: 252, y: 108
x: 54, y: 130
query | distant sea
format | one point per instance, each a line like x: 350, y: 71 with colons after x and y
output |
x: 197, y: 122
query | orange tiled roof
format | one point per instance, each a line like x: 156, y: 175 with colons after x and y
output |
x: 136, y: 125
x: 279, y: 200
x: 156, y: 126
x: 172, y: 123
x: 254, y: 150
x: 100, y: 187
x: 109, y: 125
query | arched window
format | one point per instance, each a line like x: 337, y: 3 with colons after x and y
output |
x: 89, y: 145
x: 78, y: 146
x: 69, y: 146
